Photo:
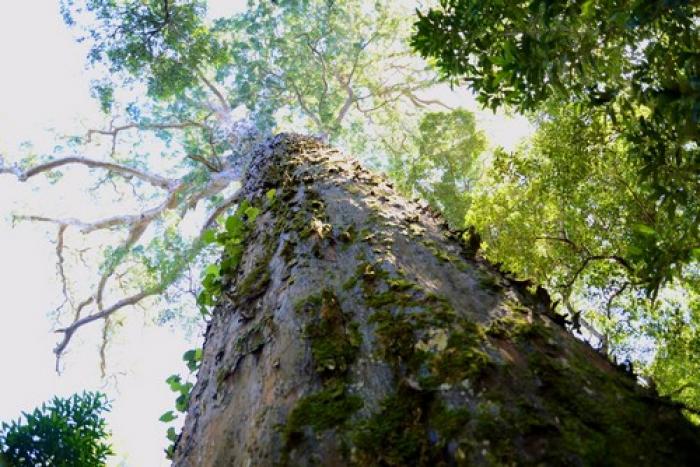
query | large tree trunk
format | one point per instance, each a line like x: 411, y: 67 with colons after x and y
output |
x: 358, y: 330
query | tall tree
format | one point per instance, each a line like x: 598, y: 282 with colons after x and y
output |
x: 213, y: 88
x: 351, y: 329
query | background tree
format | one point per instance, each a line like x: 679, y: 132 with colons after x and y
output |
x: 606, y: 195
x: 441, y: 162
x: 634, y: 61
x: 66, y: 432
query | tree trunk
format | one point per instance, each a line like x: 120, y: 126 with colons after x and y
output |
x: 358, y: 330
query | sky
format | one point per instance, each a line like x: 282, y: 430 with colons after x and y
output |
x: 44, y: 85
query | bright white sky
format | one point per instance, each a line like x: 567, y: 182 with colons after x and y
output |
x: 43, y: 84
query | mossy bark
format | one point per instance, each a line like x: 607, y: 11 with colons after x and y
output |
x: 359, y: 330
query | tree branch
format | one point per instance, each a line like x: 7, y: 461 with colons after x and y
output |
x: 127, y: 172
x: 70, y: 330
x: 219, y: 95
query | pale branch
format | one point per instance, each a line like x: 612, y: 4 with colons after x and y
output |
x: 420, y: 102
x: 134, y: 235
x: 219, y: 95
x: 80, y: 307
x: 349, y: 99
x: 114, y: 131
x: 218, y: 182
x: 322, y: 61
x: 127, y: 172
x: 346, y: 83
x: 75, y: 325
x: 213, y: 166
x: 114, y: 221
x: 138, y: 224
x: 304, y: 107
x: 60, y: 264
x: 103, y: 346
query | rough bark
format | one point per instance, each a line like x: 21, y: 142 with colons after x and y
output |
x: 358, y: 330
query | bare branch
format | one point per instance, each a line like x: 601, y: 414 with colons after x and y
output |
x: 304, y: 107
x: 321, y: 60
x: 346, y: 83
x: 138, y: 224
x: 134, y: 235
x: 60, y: 263
x: 70, y: 330
x: 113, y: 131
x: 106, y: 325
x: 420, y: 102
x: 349, y: 99
x: 80, y: 307
x: 139, y: 219
x: 127, y: 172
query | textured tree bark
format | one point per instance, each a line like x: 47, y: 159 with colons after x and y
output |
x: 359, y: 330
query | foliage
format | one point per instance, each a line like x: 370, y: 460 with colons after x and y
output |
x: 313, y: 63
x: 165, y: 40
x: 440, y: 162
x: 64, y: 432
x: 183, y: 389
x: 232, y: 239
x: 565, y: 211
x: 602, y: 207
x: 636, y: 61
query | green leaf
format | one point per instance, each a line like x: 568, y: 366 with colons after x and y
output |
x: 212, y: 270
x: 587, y: 8
x: 171, y: 434
x: 644, y: 229
x: 234, y: 225
x: 168, y: 416
x: 252, y: 213
x: 209, y: 236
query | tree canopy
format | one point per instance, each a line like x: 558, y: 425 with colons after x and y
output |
x: 636, y: 62
x: 602, y: 205
x: 440, y: 162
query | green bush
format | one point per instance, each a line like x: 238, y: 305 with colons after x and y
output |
x: 64, y: 432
